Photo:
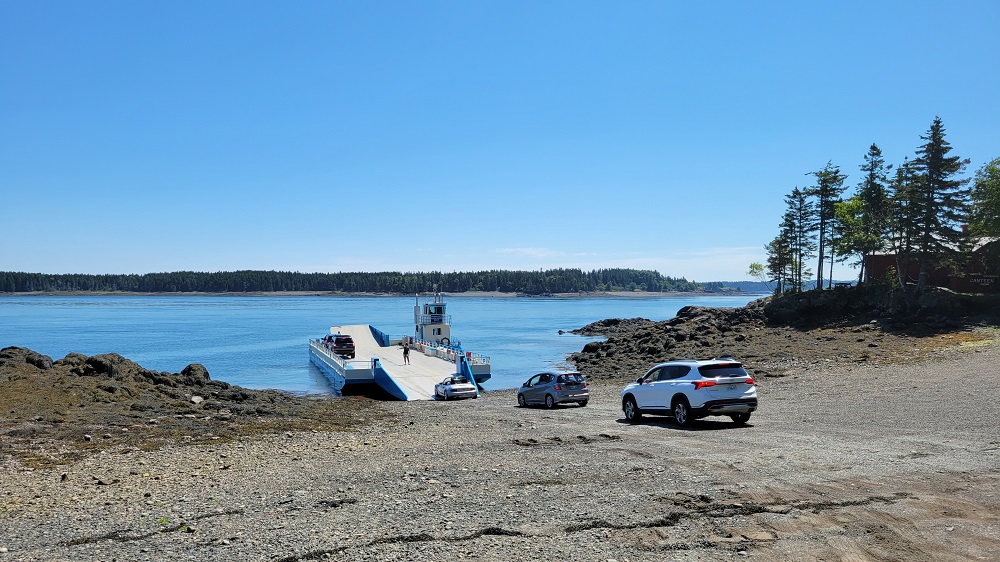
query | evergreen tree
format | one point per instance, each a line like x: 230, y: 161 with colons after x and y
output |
x: 873, y: 193
x: 903, y: 218
x: 829, y: 186
x: 779, y: 263
x: 863, y: 220
x: 941, y: 202
x: 798, y: 228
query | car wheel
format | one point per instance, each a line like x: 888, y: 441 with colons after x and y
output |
x: 682, y: 412
x: 549, y: 401
x: 521, y: 402
x: 631, y: 410
x: 740, y: 419
x: 583, y: 403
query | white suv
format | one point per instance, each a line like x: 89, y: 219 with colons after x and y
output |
x: 688, y: 389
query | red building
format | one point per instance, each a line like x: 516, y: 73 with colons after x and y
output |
x: 979, y: 276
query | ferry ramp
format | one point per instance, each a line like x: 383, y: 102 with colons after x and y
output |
x: 415, y: 380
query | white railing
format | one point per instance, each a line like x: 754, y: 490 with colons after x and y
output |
x: 339, y: 363
x: 450, y: 353
x: 434, y: 319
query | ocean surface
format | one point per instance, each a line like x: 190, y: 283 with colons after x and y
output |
x: 262, y: 342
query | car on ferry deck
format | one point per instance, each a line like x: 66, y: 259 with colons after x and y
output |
x: 550, y: 388
x: 341, y: 344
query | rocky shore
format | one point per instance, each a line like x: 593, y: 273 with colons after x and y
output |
x: 858, y: 452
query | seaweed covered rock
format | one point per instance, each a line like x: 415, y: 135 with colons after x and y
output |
x: 79, y: 396
x: 633, y: 345
x: 23, y: 356
x: 612, y: 326
x: 107, y: 365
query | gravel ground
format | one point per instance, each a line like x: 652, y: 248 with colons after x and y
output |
x: 843, y: 461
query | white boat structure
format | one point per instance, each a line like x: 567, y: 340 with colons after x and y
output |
x: 434, y: 354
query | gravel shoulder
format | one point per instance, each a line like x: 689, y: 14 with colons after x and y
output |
x: 845, y: 460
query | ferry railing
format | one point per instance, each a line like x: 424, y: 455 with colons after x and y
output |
x: 456, y: 349
x: 434, y: 319
x: 340, y: 363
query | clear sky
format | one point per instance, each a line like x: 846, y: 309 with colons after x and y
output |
x: 460, y: 135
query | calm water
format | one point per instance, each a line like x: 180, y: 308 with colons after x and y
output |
x: 262, y: 342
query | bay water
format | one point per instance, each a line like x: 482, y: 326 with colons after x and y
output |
x: 262, y: 341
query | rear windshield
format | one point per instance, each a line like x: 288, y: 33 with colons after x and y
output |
x: 722, y: 370
x: 570, y: 377
x: 344, y: 339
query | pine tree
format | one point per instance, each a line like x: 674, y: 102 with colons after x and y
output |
x: 903, y: 218
x: 873, y: 193
x: 941, y: 202
x: 829, y: 186
x: 798, y: 227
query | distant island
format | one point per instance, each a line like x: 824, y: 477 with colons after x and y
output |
x: 542, y: 282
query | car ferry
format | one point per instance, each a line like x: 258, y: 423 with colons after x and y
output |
x: 432, y: 352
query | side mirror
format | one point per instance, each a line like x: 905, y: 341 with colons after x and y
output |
x: 639, y: 380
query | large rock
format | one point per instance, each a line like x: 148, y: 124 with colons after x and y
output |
x: 21, y: 355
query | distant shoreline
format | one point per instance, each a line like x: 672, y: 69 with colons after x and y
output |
x: 480, y: 294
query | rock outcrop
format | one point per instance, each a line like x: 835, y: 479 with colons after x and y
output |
x: 861, y: 323
x: 108, y: 395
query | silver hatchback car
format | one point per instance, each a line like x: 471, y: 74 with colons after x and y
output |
x: 554, y: 388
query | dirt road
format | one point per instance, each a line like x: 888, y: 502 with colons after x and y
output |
x: 842, y: 462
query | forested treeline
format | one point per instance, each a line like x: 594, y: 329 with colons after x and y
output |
x: 528, y: 282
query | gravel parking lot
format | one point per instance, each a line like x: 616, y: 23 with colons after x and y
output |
x: 843, y: 461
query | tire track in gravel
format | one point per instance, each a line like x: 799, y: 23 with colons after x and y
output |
x: 688, y: 510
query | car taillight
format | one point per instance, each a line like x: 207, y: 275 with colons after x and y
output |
x: 698, y: 385
x: 750, y: 380
x: 557, y: 387
x: 585, y: 385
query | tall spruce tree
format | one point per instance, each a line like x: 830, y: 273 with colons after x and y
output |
x: 903, y: 218
x: 941, y: 202
x: 873, y: 193
x: 829, y: 186
x: 798, y: 227
x: 863, y: 220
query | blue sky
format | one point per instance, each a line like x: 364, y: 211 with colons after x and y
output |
x: 461, y: 135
